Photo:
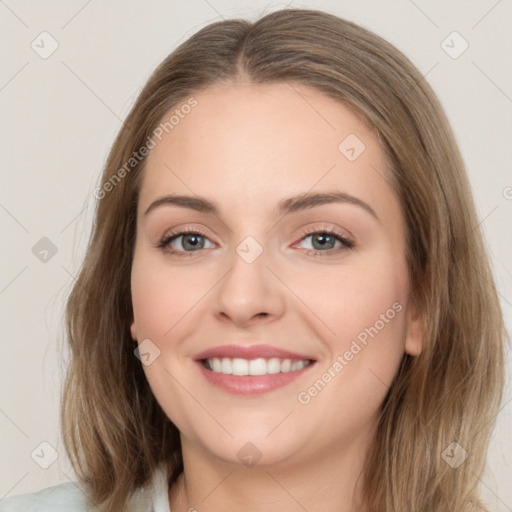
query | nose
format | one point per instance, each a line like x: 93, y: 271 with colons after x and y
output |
x: 249, y: 293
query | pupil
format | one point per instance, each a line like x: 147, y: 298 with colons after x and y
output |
x: 187, y: 239
x: 322, y: 239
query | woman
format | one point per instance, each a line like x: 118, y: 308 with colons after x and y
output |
x: 285, y: 302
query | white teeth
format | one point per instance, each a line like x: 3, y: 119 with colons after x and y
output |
x: 257, y: 366
x: 217, y: 365
x: 273, y: 365
x: 260, y: 366
x: 298, y: 365
x: 286, y: 365
x: 240, y: 366
x: 225, y: 366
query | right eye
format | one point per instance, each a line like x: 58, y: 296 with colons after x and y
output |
x: 191, y: 241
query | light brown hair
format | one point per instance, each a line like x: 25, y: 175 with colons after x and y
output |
x: 115, y: 432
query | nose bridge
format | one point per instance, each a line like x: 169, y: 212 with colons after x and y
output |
x: 249, y: 289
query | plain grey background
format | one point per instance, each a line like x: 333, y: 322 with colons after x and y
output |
x: 70, y: 73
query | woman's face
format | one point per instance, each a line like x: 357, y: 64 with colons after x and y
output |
x: 308, y: 296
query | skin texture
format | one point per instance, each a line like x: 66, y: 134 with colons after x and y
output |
x: 246, y: 147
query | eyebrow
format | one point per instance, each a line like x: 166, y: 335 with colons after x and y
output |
x: 285, y: 206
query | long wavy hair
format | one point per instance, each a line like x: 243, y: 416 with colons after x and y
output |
x: 115, y: 432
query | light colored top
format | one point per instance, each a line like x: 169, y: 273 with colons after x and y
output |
x: 69, y: 497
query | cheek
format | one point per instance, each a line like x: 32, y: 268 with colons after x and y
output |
x: 367, y: 310
x: 351, y: 299
x: 372, y: 308
x: 161, y: 298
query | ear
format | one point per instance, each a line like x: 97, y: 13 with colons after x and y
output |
x: 415, y: 336
x: 133, y: 330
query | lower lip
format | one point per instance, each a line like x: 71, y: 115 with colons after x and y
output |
x: 251, y: 384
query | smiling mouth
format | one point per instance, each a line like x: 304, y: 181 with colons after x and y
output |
x: 259, y: 366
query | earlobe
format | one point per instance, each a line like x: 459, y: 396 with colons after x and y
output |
x: 133, y: 331
x: 415, y: 336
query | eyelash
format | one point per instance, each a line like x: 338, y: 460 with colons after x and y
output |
x: 346, y: 243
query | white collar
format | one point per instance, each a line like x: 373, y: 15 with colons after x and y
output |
x: 154, y: 496
x: 160, y: 490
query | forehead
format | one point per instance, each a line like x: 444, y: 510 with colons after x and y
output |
x: 284, y: 119
x: 261, y: 142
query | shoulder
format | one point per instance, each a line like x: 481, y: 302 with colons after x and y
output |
x: 72, y: 497
x: 67, y: 496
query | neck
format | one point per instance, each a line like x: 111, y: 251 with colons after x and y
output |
x: 329, y: 481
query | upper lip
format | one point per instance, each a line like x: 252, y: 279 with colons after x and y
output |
x: 250, y: 352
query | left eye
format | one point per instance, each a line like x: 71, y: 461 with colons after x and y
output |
x: 324, y: 240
